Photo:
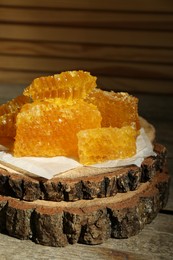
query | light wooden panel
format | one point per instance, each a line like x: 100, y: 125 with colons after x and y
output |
x: 87, y: 35
x: 96, y: 52
x: 79, y: 18
x: 129, y: 43
x: 109, y: 68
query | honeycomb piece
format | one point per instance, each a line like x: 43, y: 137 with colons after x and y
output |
x: 108, y: 143
x: 8, y: 113
x: 13, y: 105
x: 68, y: 85
x: 49, y: 127
x: 117, y: 109
x: 7, y: 125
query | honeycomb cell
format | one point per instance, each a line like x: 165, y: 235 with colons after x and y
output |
x: 108, y: 143
x: 49, y: 127
x: 117, y: 109
x: 67, y: 85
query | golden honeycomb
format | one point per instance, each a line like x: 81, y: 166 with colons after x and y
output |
x: 117, y: 109
x: 8, y: 113
x: 49, y: 127
x: 7, y: 125
x: 13, y: 105
x: 67, y: 85
x: 107, y: 143
x: 65, y: 115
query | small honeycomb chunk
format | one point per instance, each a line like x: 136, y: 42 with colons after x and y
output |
x: 13, y: 105
x: 103, y: 144
x: 8, y: 113
x: 68, y: 85
x: 117, y: 109
x: 7, y: 125
x: 49, y: 127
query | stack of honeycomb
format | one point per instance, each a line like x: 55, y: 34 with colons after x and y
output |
x: 67, y: 115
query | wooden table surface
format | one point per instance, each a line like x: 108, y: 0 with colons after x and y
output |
x: 155, y: 241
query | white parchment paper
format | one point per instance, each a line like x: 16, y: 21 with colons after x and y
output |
x: 48, y: 167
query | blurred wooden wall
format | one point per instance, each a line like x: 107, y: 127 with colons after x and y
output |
x: 128, y: 45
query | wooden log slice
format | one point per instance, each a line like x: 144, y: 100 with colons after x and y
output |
x: 83, y: 182
x: 85, y: 221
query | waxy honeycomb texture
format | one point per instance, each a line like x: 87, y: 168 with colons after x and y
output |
x: 49, y: 128
x: 67, y: 85
x: 103, y: 144
x: 65, y: 115
x: 117, y: 109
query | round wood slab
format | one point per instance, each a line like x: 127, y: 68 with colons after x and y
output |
x: 85, y: 205
x: 83, y: 182
x: 84, y: 221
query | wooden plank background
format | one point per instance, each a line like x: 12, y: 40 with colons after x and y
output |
x: 128, y: 45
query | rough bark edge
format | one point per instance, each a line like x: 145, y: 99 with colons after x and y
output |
x: 88, y: 222
x: 96, y: 186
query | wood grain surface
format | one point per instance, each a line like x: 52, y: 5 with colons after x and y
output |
x: 118, y: 5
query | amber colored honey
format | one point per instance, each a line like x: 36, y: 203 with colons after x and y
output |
x: 117, y: 109
x: 7, y: 125
x: 67, y: 85
x: 13, y: 105
x: 68, y: 116
x: 108, y: 143
x: 50, y: 127
x: 8, y: 113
